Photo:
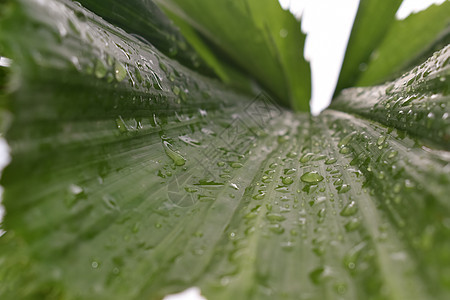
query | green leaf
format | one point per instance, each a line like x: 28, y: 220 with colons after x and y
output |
x: 372, y: 22
x: 408, y: 43
x: 425, y: 88
x: 260, y: 37
x: 226, y: 72
x: 133, y: 177
x: 148, y: 22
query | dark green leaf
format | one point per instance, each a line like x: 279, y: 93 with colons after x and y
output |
x: 226, y: 72
x: 260, y: 37
x: 373, y: 20
x: 425, y: 88
x: 145, y: 19
x: 408, y: 42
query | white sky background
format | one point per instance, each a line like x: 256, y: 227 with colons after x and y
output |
x: 328, y: 24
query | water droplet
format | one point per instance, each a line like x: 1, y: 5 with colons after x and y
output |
x: 260, y: 195
x: 75, y: 189
x: 100, y: 69
x: 381, y: 140
x: 163, y: 66
x: 344, y: 188
x: 345, y: 140
x: 349, y: 210
x: 311, y: 177
x: 353, y: 224
x: 251, y: 215
x: 318, y: 275
x: 176, y: 90
x: 287, y: 180
x: 340, y: 288
x: 306, y: 157
x: 273, y: 165
x: 274, y: 217
x: 283, y: 33
x: 190, y: 189
x: 177, y: 158
x: 234, y: 186
x: 289, y: 171
x: 282, y: 189
x: 392, y: 154
x: 110, y: 202
x: 351, y: 257
x: 330, y: 161
x: 126, y: 126
x: 94, y: 264
x: 119, y: 71
x: 75, y: 193
x: 276, y: 228
x: 292, y: 154
x: 236, y: 165
x: 344, y: 150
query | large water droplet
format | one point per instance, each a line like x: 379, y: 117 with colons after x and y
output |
x: 177, y: 158
x: 119, y: 71
x: 287, y: 180
x: 311, y: 177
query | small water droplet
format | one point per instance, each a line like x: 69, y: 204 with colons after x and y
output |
x: 276, y: 228
x: 110, y: 202
x: 381, y: 140
x: 260, y: 195
x: 283, y: 33
x: 94, y: 264
x: 344, y: 150
x: 176, y: 90
x: 274, y: 217
x: 306, y: 157
x: 349, y: 210
x: 352, y: 225
x: 345, y: 140
x: 234, y: 186
x: 344, y: 188
x: 330, y: 161
x: 163, y: 66
x: 273, y: 165
x: 287, y: 180
x: 318, y: 275
x: 236, y: 165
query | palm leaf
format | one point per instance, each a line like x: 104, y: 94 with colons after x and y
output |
x: 133, y: 177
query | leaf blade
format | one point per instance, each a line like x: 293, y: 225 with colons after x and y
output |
x: 270, y: 50
x: 372, y: 22
x: 417, y: 36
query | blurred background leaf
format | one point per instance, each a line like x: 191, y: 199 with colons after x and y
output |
x: 372, y: 22
x: 258, y: 36
x: 408, y: 43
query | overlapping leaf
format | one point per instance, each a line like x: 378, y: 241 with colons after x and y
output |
x: 373, y: 20
x: 260, y: 37
x: 408, y: 43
